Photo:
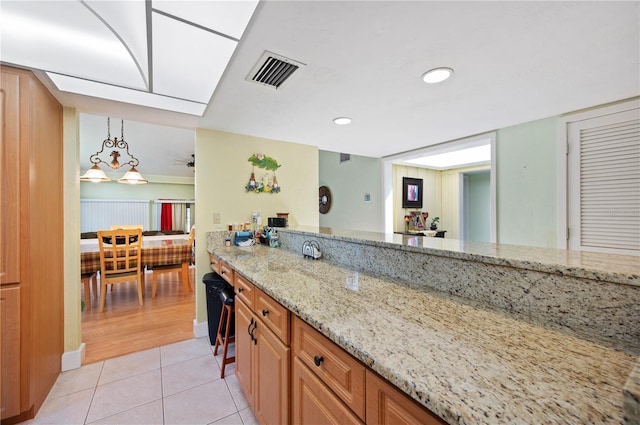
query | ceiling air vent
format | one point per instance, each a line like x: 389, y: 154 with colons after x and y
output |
x: 344, y: 157
x: 273, y: 70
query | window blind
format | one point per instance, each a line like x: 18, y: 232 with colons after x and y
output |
x: 610, y: 186
x: 101, y: 214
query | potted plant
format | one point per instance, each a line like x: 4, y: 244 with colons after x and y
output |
x: 434, y: 223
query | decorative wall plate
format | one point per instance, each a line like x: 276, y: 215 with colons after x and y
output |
x: 325, y: 199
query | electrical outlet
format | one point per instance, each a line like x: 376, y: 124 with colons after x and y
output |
x: 216, y: 218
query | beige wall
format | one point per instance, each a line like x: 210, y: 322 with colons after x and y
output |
x: 432, y: 193
x: 222, y: 172
x: 441, y: 196
x: 71, y: 177
x: 220, y: 180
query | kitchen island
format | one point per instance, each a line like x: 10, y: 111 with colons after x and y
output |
x: 461, y: 357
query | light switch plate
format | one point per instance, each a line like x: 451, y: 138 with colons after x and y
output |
x: 216, y: 218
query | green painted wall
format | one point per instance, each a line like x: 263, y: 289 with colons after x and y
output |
x: 526, y: 179
x: 159, y: 187
x: 150, y: 191
x: 478, y: 206
x: 349, y: 182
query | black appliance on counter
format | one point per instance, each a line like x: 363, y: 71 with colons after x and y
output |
x: 277, y: 222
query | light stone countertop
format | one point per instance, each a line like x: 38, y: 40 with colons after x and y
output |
x: 465, y: 361
x: 623, y: 269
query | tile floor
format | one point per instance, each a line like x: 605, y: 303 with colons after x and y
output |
x: 172, y: 384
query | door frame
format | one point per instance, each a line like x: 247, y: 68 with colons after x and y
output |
x: 387, y: 177
x: 563, y: 157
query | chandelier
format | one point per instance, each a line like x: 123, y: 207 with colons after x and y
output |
x: 95, y: 173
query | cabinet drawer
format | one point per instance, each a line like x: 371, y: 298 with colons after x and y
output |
x: 314, y: 403
x: 226, y: 272
x: 274, y: 315
x: 244, y: 290
x: 342, y: 373
x: 10, y: 351
x: 214, y: 263
x: 388, y: 405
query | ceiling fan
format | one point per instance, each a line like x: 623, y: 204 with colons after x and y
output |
x: 191, y: 163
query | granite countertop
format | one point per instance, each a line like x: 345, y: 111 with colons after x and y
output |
x: 623, y: 269
x: 465, y: 361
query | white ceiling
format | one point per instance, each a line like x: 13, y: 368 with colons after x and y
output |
x: 514, y: 62
x: 161, y: 150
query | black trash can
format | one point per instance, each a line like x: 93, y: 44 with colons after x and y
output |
x: 214, y: 284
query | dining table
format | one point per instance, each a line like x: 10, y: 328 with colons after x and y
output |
x: 155, y: 253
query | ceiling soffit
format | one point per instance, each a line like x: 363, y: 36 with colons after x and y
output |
x: 145, y: 53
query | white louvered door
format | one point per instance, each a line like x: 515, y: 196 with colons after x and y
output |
x: 604, y: 183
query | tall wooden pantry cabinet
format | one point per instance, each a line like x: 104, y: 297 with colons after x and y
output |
x: 31, y: 244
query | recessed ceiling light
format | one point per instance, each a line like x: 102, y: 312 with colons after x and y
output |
x: 342, y: 120
x: 437, y: 75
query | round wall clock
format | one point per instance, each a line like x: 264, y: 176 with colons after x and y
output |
x: 325, y: 199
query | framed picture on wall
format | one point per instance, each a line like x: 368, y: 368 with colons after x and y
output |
x: 411, y: 192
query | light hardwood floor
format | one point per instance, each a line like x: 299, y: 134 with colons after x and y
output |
x: 126, y: 327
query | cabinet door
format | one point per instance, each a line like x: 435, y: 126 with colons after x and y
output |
x: 271, y: 377
x: 386, y: 405
x: 314, y: 403
x: 10, y: 351
x: 342, y: 373
x: 244, y: 349
x: 10, y: 178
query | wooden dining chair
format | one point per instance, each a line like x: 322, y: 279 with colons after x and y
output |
x: 120, y: 260
x: 127, y: 226
x: 173, y: 268
x: 89, y: 279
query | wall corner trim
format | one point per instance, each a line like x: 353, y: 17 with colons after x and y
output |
x: 73, y: 359
x: 200, y: 329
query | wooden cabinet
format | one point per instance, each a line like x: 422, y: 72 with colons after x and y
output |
x: 244, y: 350
x: 214, y: 263
x: 271, y: 376
x: 274, y: 316
x: 226, y: 272
x: 31, y: 272
x: 386, y: 405
x: 10, y: 350
x: 262, y: 357
x: 244, y: 291
x: 314, y: 403
x: 328, y: 385
x: 222, y: 268
x: 338, y: 370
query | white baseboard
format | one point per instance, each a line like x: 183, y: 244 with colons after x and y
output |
x: 73, y: 359
x: 200, y: 329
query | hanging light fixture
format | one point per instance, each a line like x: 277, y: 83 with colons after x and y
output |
x: 95, y: 173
